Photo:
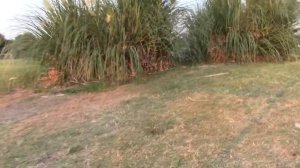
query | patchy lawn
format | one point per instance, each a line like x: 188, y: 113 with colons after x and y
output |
x: 244, y: 117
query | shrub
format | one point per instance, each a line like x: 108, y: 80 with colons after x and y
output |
x: 105, y: 39
x: 230, y: 30
x: 2, y: 43
x: 22, y: 46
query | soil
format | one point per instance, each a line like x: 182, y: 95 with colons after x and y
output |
x: 25, y: 109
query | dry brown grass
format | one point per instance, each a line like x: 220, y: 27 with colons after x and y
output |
x: 274, y: 142
x: 206, y: 128
x: 177, y: 119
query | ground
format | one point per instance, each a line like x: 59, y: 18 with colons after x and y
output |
x: 186, y: 117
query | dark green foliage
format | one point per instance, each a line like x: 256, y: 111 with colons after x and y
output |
x: 23, y: 45
x: 2, y: 43
x: 4, y: 47
x: 2, y: 40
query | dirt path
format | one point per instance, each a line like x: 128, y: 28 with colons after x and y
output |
x: 25, y: 109
x: 23, y: 104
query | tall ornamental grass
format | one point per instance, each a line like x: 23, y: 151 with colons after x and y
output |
x: 105, y: 39
x: 237, y: 31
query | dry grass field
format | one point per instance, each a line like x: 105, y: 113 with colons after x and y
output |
x: 186, y: 117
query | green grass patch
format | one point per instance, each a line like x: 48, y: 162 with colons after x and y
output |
x: 19, y: 74
x: 88, y: 87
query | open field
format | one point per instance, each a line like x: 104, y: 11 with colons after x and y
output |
x: 244, y: 117
x: 18, y: 73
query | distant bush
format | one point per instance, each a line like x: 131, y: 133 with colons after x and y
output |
x: 4, y: 47
x: 233, y: 31
x: 105, y: 39
x: 2, y: 44
x: 23, y: 46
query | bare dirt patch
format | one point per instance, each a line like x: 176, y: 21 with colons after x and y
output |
x: 77, y: 109
x: 16, y: 96
x: 22, y: 104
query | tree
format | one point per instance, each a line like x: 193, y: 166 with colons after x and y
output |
x: 22, y: 46
x: 2, y: 42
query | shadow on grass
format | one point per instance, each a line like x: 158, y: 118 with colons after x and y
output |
x: 88, y: 87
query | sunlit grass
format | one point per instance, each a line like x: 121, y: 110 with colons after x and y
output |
x: 18, y: 74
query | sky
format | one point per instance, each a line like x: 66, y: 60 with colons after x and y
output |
x: 12, y: 10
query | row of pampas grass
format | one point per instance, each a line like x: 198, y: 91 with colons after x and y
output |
x: 119, y: 39
x: 105, y: 39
